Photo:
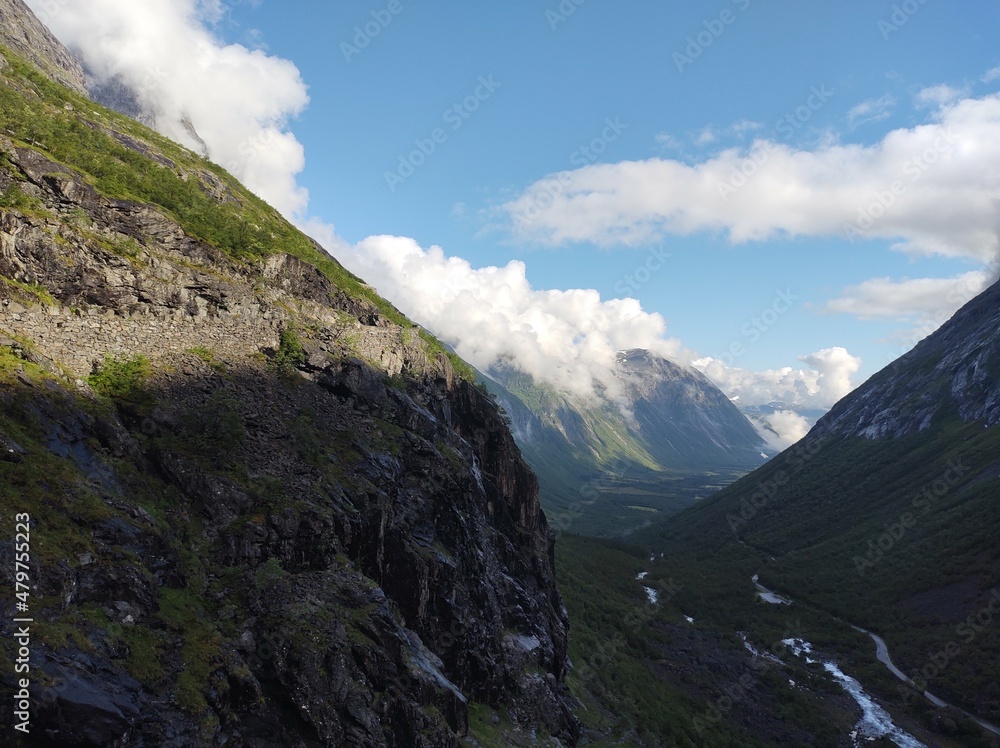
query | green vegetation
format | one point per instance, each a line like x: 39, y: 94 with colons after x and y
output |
x: 13, y: 198
x: 28, y: 293
x: 494, y: 729
x: 896, y: 535
x: 290, y: 353
x: 184, y: 614
x: 436, y: 348
x: 121, y: 377
x: 208, y: 356
x: 592, y: 470
x: 640, y: 671
x: 39, y: 113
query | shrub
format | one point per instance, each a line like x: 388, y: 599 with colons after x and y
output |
x: 120, y: 377
x: 290, y: 352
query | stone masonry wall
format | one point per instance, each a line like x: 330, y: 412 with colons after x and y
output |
x: 79, y: 338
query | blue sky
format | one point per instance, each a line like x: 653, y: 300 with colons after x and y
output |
x: 646, y: 108
x: 559, y: 85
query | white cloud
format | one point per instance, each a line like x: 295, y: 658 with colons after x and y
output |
x: 745, y: 126
x: 790, y: 428
x: 917, y: 299
x: 873, y: 110
x: 827, y: 378
x: 566, y: 338
x: 938, y: 95
x: 706, y: 136
x: 238, y: 100
x: 668, y: 141
x: 946, y: 172
x: 924, y: 303
x: 991, y: 75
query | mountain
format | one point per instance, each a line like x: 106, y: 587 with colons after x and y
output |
x: 887, y: 516
x: 28, y: 37
x: 254, y: 504
x: 607, y: 464
x: 683, y: 417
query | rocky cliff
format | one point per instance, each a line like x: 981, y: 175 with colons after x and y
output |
x: 265, y: 508
x: 25, y: 35
x: 955, y: 369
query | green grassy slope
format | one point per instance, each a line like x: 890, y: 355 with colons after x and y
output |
x: 125, y: 160
x: 897, y: 535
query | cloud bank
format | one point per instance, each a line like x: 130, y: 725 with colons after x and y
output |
x: 827, y: 377
x: 933, y: 189
x: 567, y: 338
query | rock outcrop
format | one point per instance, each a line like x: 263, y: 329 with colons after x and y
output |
x: 24, y: 34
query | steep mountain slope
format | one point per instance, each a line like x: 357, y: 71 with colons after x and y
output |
x: 26, y: 36
x: 888, y: 513
x: 606, y: 466
x: 686, y: 420
x: 265, y: 509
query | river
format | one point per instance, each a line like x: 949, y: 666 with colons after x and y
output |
x: 882, y: 654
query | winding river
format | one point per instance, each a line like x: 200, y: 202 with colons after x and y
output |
x: 873, y: 719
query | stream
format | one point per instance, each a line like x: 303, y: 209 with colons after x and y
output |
x: 876, y: 722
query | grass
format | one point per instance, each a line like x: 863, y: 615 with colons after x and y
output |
x: 182, y: 611
x: 29, y: 293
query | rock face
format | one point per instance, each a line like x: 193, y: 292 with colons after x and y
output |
x: 280, y: 517
x: 670, y: 417
x: 683, y: 416
x: 956, y: 368
x: 24, y: 34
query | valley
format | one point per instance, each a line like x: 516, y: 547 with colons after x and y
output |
x: 269, y: 508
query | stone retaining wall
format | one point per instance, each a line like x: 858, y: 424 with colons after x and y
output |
x: 77, y: 339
